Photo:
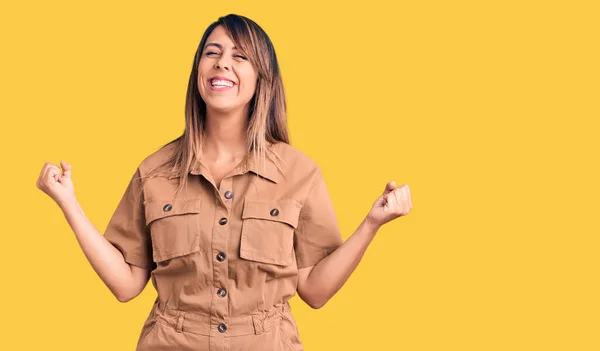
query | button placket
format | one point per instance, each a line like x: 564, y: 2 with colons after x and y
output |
x: 220, y: 236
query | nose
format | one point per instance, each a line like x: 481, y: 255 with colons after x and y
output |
x: 222, y: 63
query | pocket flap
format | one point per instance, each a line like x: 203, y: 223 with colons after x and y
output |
x: 155, y: 209
x: 285, y: 211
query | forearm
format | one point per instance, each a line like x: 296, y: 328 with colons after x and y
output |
x: 106, y: 260
x: 330, y: 274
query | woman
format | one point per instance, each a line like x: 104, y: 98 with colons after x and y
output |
x: 229, y: 220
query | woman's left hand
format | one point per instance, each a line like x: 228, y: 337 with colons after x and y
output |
x: 393, y: 203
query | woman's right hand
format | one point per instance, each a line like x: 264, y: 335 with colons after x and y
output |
x: 56, y: 183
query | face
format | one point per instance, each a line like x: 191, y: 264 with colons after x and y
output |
x: 226, y: 79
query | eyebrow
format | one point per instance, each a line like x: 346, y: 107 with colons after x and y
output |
x: 217, y: 45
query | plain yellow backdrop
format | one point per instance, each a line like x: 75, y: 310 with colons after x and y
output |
x: 488, y: 110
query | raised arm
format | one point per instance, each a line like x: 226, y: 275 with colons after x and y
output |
x: 124, y: 280
x: 318, y: 283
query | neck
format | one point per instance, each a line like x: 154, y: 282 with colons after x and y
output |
x: 225, y: 136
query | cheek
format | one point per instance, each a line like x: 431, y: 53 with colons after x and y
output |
x: 203, y: 68
x: 201, y: 86
x: 250, y: 79
x: 201, y: 77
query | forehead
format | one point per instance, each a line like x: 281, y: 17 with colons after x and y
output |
x: 219, y: 36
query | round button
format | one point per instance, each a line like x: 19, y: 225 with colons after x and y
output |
x: 222, y: 328
x: 228, y: 194
x: 221, y: 292
x: 167, y: 207
x: 223, y: 221
x: 274, y: 212
x: 221, y: 256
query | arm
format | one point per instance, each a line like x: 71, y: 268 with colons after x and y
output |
x: 318, y: 283
x: 125, y: 281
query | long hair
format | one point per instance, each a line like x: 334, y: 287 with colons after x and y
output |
x: 267, y: 121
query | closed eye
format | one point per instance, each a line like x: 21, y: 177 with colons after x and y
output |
x: 210, y: 53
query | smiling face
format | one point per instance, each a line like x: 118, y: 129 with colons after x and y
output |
x: 226, y: 79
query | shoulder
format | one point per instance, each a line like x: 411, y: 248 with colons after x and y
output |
x: 157, y: 157
x: 294, y: 156
x: 296, y: 164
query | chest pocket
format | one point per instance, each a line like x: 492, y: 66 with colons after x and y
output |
x: 268, y: 230
x: 174, y: 227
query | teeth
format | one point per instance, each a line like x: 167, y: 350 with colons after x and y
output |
x: 221, y: 83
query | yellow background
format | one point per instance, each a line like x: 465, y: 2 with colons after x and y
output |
x: 488, y: 110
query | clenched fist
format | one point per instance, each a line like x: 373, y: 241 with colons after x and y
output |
x: 56, y: 183
x: 393, y: 203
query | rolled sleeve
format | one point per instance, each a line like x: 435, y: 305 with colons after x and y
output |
x: 127, y: 230
x: 317, y: 233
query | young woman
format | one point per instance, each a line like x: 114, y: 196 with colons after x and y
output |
x: 229, y: 220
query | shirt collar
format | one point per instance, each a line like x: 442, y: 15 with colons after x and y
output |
x: 266, y: 169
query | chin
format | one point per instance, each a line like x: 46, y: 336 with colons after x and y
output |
x: 225, y: 105
x: 222, y: 107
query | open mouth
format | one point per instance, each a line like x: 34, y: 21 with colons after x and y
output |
x: 221, y: 83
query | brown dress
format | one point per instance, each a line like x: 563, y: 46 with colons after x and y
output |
x: 225, y: 259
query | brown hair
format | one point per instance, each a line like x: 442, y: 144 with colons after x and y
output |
x: 267, y: 113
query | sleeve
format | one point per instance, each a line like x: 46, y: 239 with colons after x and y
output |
x: 317, y: 233
x: 127, y: 230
